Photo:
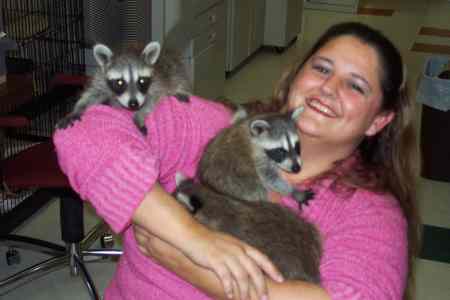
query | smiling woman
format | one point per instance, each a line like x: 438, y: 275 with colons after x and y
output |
x: 353, y: 86
x: 340, y: 89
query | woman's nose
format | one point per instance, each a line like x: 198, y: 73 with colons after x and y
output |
x: 330, y: 86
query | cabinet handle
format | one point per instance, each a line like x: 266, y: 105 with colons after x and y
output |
x: 212, y: 37
x: 212, y: 18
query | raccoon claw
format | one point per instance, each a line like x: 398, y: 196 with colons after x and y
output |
x: 303, y: 197
x: 143, y: 130
x: 182, y: 97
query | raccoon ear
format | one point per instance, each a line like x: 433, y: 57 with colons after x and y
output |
x: 296, y: 112
x: 151, y: 52
x: 258, y: 127
x: 239, y: 114
x: 102, y: 54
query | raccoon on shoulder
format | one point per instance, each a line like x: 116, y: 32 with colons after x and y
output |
x: 133, y: 81
x: 244, y: 160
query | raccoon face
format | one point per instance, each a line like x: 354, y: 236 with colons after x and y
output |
x: 280, y: 145
x: 129, y: 84
x: 127, y: 76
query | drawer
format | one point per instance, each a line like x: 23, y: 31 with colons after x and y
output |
x: 210, y: 29
x: 209, y: 72
x: 210, y: 18
x: 199, y: 6
x: 204, y: 41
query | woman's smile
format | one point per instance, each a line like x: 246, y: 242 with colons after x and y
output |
x: 320, y: 107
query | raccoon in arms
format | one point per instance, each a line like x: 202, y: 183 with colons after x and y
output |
x: 291, y: 243
x: 244, y: 160
x: 132, y: 81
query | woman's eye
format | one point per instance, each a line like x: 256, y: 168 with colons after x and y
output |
x: 321, y: 69
x: 357, y: 88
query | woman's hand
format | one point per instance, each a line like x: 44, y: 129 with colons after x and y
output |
x: 239, y: 266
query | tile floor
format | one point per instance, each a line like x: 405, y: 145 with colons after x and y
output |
x: 254, y: 81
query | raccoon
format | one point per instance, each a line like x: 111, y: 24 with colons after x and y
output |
x: 245, y: 159
x: 291, y: 243
x: 132, y: 81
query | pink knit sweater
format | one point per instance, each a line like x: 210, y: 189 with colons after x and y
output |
x: 111, y: 165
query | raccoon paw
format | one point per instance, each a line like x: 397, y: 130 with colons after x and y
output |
x: 303, y: 197
x: 140, y: 124
x: 143, y: 130
x: 182, y: 97
x: 67, y: 121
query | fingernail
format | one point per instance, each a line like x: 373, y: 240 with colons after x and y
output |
x: 265, y: 297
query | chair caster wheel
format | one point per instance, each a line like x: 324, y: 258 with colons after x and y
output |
x: 107, y: 241
x: 12, y: 257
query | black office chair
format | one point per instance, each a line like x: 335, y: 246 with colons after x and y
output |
x: 36, y: 168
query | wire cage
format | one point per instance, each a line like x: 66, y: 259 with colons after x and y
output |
x: 50, y: 41
x: 49, y: 35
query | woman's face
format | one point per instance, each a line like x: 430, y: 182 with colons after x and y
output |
x: 339, y: 87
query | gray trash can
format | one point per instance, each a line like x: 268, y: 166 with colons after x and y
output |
x: 434, y: 93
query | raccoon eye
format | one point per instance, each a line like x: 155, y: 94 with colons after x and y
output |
x: 277, y: 154
x: 297, y: 148
x: 143, y: 83
x: 118, y: 86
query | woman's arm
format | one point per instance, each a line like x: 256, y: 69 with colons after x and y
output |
x: 234, y: 262
x: 207, y: 281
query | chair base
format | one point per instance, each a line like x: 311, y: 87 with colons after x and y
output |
x: 71, y: 255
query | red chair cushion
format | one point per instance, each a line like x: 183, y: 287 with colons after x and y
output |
x: 36, y: 166
x: 13, y: 121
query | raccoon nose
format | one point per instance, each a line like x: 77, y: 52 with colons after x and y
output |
x: 133, y: 104
x: 296, y: 168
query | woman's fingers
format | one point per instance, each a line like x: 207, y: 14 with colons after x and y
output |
x: 240, y: 274
x: 254, y: 275
x: 264, y: 263
x: 226, y: 278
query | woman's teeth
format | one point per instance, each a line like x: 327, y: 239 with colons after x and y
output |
x: 324, y: 109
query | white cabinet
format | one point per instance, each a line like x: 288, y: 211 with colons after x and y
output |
x: 245, y: 30
x: 282, y: 22
x: 202, y: 39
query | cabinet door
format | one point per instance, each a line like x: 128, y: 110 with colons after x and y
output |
x: 239, y: 27
x: 209, y: 73
x: 257, y: 15
x: 294, y: 19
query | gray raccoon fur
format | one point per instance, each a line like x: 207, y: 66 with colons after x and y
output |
x: 133, y: 81
x: 237, y: 161
x: 291, y: 243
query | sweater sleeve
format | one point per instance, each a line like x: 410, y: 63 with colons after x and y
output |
x: 365, y: 250
x: 112, y: 165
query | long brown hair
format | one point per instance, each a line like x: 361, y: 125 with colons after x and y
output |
x: 389, y: 161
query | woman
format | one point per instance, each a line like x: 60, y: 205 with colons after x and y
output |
x: 358, y: 148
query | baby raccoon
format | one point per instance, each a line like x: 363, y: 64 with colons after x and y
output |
x: 291, y: 243
x: 245, y: 159
x: 132, y: 81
